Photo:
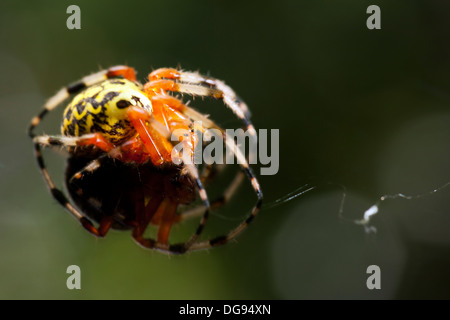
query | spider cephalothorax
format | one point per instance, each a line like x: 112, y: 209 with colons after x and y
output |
x: 119, y: 131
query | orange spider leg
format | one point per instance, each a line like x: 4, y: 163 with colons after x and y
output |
x: 157, y: 146
x: 166, y: 111
x: 97, y: 140
x: 124, y: 71
x: 169, y: 101
x: 144, y: 214
x: 160, y: 87
x: 165, y: 217
x: 105, y: 225
x: 164, y: 73
x: 103, y: 228
x: 132, y: 150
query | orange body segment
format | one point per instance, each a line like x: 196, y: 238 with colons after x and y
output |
x: 124, y: 71
x: 158, y: 148
x: 163, y: 73
x: 160, y: 87
x: 97, y: 140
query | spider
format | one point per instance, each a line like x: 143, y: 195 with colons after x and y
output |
x: 122, y: 172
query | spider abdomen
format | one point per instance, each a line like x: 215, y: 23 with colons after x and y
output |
x: 124, y: 191
x: 102, y: 108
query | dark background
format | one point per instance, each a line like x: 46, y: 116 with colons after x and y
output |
x: 365, y: 110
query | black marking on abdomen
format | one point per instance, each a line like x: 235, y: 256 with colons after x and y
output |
x: 98, y: 118
x: 80, y: 106
x: 69, y: 130
x: 68, y: 114
x: 118, y: 81
x: 122, y: 104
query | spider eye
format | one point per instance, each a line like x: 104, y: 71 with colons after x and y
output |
x: 123, y: 104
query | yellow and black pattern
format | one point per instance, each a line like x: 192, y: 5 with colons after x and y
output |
x: 102, y: 108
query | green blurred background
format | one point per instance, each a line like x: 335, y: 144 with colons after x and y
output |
x: 367, y: 110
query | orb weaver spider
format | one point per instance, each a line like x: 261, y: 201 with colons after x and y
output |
x: 117, y: 131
